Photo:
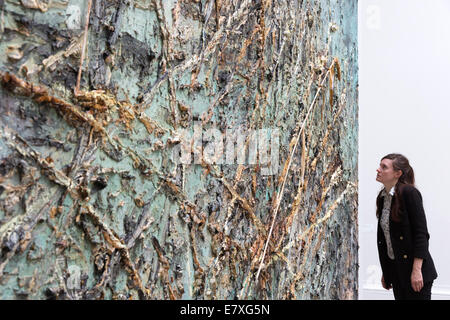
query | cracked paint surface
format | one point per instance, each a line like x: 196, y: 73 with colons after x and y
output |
x: 93, y: 204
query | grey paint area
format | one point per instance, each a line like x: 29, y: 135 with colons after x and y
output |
x: 95, y: 205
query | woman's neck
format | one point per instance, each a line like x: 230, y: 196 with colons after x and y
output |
x: 389, y: 186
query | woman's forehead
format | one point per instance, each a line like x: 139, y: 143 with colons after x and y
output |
x: 387, y: 162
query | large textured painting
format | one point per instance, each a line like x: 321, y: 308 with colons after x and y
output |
x: 178, y: 149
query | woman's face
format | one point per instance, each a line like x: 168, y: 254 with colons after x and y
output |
x: 386, y: 173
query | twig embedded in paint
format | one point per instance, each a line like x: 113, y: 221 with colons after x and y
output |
x: 287, y: 167
x: 83, y: 49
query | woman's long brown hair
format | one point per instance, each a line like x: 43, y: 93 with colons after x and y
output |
x: 399, y: 162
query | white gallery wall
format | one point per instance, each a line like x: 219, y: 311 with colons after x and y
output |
x: 404, y: 107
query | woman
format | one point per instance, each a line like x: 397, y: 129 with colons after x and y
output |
x: 402, y: 234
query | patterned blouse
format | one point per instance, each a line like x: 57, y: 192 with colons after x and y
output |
x: 385, y: 220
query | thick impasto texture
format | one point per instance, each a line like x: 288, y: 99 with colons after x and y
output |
x: 178, y: 149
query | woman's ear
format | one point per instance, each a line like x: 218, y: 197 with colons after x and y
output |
x: 398, y: 173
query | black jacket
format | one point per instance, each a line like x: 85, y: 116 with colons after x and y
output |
x: 409, y: 239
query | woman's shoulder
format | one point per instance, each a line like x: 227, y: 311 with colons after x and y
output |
x: 408, y: 191
x: 409, y: 188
